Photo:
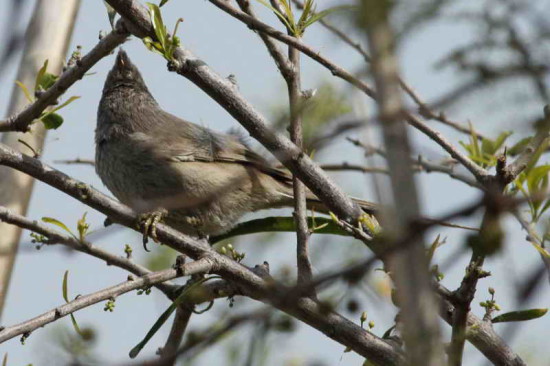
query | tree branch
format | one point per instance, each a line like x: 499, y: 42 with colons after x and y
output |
x: 480, y: 173
x: 203, y: 265
x: 480, y: 333
x: 423, y: 108
x: 22, y: 120
x: 55, y: 237
x: 248, y: 282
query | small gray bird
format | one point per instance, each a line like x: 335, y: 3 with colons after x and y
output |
x: 198, y: 180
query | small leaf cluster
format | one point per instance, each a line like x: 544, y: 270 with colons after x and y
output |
x: 484, y: 152
x: 110, y: 305
x: 232, y: 253
x: 144, y: 290
x: 82, y: 227
x: 44, y: 80
x: 532, y: 183
x: 165, y: 44
x: 307, y: 18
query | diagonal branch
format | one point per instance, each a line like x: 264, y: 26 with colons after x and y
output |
x: 532, y: 148
x: 22, y: 120
x: 423, y: 108
x: 203, y: 265
x: 55, y: 237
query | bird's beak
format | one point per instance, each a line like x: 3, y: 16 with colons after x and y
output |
x: 122, y: 59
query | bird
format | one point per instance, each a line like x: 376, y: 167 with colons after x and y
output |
x: 196, y: 180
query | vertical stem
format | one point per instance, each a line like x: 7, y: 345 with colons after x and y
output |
x: 179, y: 325
x: 47, y: 38
x: 409, y: 265
x: 300, y: 208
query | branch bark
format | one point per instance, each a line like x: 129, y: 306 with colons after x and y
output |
x: 203, y: 265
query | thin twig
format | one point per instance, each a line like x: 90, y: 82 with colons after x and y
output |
x: 282, y: 62
x: 423, y: 108
x: 77, y: 161
x: 422, y: 164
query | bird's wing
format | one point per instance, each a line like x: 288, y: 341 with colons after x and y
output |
x: 184, y: 141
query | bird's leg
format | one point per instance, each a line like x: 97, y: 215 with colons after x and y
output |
x: 148, y: 224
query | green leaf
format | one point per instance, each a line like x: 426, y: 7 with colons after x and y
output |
x: 51, y: 220
x: 40, y: 75
x: 65, y: 286
x: 158, y: 24
x: 51, y: 121
x: 163, y: 2
x: 66, y: 297
x: 501, y: 139
x: 82, y: 227
x: 25, y: 91
x: 320, y: 15
x: 66, y: 103
x: 5, y: 360
x: 111, y: 13
x: 322, y: 225
x: 276, y: 12
x: 47, y: 80
x: 487, y: 146
x: 519, y: 146
x: 519, y: 316
x: 164, y: 317
x: 435, y: 244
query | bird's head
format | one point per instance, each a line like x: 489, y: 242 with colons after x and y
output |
x: 124, y: 74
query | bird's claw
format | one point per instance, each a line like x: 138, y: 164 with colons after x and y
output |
x: 148, y: 224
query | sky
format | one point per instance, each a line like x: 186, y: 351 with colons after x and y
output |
x: 230, y: 48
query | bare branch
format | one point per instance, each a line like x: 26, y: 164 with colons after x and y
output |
x: 424, y: 108
x: 282, y: 62
x: 77, y: 161
x: 422, y: 164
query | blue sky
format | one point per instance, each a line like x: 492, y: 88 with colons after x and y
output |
x: 230, y: 48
